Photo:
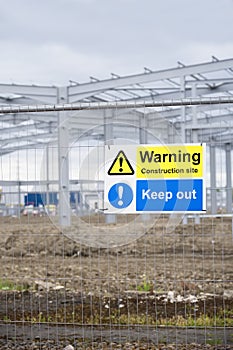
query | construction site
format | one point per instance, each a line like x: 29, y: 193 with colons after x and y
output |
x: 80, y: 266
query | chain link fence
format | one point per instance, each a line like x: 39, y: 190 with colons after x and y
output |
x: 73, y: 276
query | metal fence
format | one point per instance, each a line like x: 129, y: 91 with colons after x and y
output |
x: 73, y: 275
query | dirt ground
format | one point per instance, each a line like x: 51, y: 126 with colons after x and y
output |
x: 149, y: 290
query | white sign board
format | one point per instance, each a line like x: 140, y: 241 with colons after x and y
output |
x: 154, y: 178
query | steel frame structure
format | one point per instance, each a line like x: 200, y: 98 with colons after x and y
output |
x: 211, y: 123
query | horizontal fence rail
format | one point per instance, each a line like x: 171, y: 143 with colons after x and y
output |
x: 117, y: 104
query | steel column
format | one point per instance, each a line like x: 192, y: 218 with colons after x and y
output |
x: 194, y: 135
x: 213, y: 190
x: 143, y: 137
x: 183, y: 109
x: 108, y: 127
x: 108, y: 140
x: 63, y: 162
x: 47, y: 175
x: 228, y: 178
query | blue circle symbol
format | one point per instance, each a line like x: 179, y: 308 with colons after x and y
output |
x: 120, y: 195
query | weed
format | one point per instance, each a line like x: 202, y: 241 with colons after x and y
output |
x: 146, y: 286
x: 10, y: 285
x: 40, y: 318
x: 6, y: 319
x: 213, y: 341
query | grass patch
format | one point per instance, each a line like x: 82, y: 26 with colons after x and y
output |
x: 6, y: 284
x: 144, y: 319
x: 124, y: 319
x: 145, y: 286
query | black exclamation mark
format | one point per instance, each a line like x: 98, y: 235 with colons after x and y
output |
x: 121, y: 163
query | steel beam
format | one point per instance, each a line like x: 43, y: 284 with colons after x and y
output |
x: 79, y: 92
x: 47, y: 94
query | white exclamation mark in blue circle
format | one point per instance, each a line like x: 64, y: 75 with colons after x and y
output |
x: 120, y: 195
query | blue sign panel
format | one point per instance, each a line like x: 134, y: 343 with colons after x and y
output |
x: 169, y: 195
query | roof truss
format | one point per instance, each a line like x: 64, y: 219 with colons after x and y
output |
x: 201, y: 80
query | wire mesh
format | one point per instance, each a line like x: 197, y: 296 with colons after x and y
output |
x: 145, y: 281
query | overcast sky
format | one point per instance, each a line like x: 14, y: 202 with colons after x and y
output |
x: 53, y: 41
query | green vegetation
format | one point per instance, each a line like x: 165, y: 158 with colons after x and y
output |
x: 114, y: 319
x: 117, y: 318
x: 214, y: 341
x: 145, y: 287
x: 178, y: 321
x: 40, y: 318
x: 10, y: 285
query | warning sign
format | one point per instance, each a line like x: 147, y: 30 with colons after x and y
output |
x: 121, y: 165
x: 165, y: 178
x: 170, y: 161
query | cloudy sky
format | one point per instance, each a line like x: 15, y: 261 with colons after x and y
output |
x: 53, y: 41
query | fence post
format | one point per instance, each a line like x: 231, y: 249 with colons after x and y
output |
x: 63, y: 161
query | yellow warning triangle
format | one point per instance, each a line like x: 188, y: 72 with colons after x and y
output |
x: 121, y: 165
